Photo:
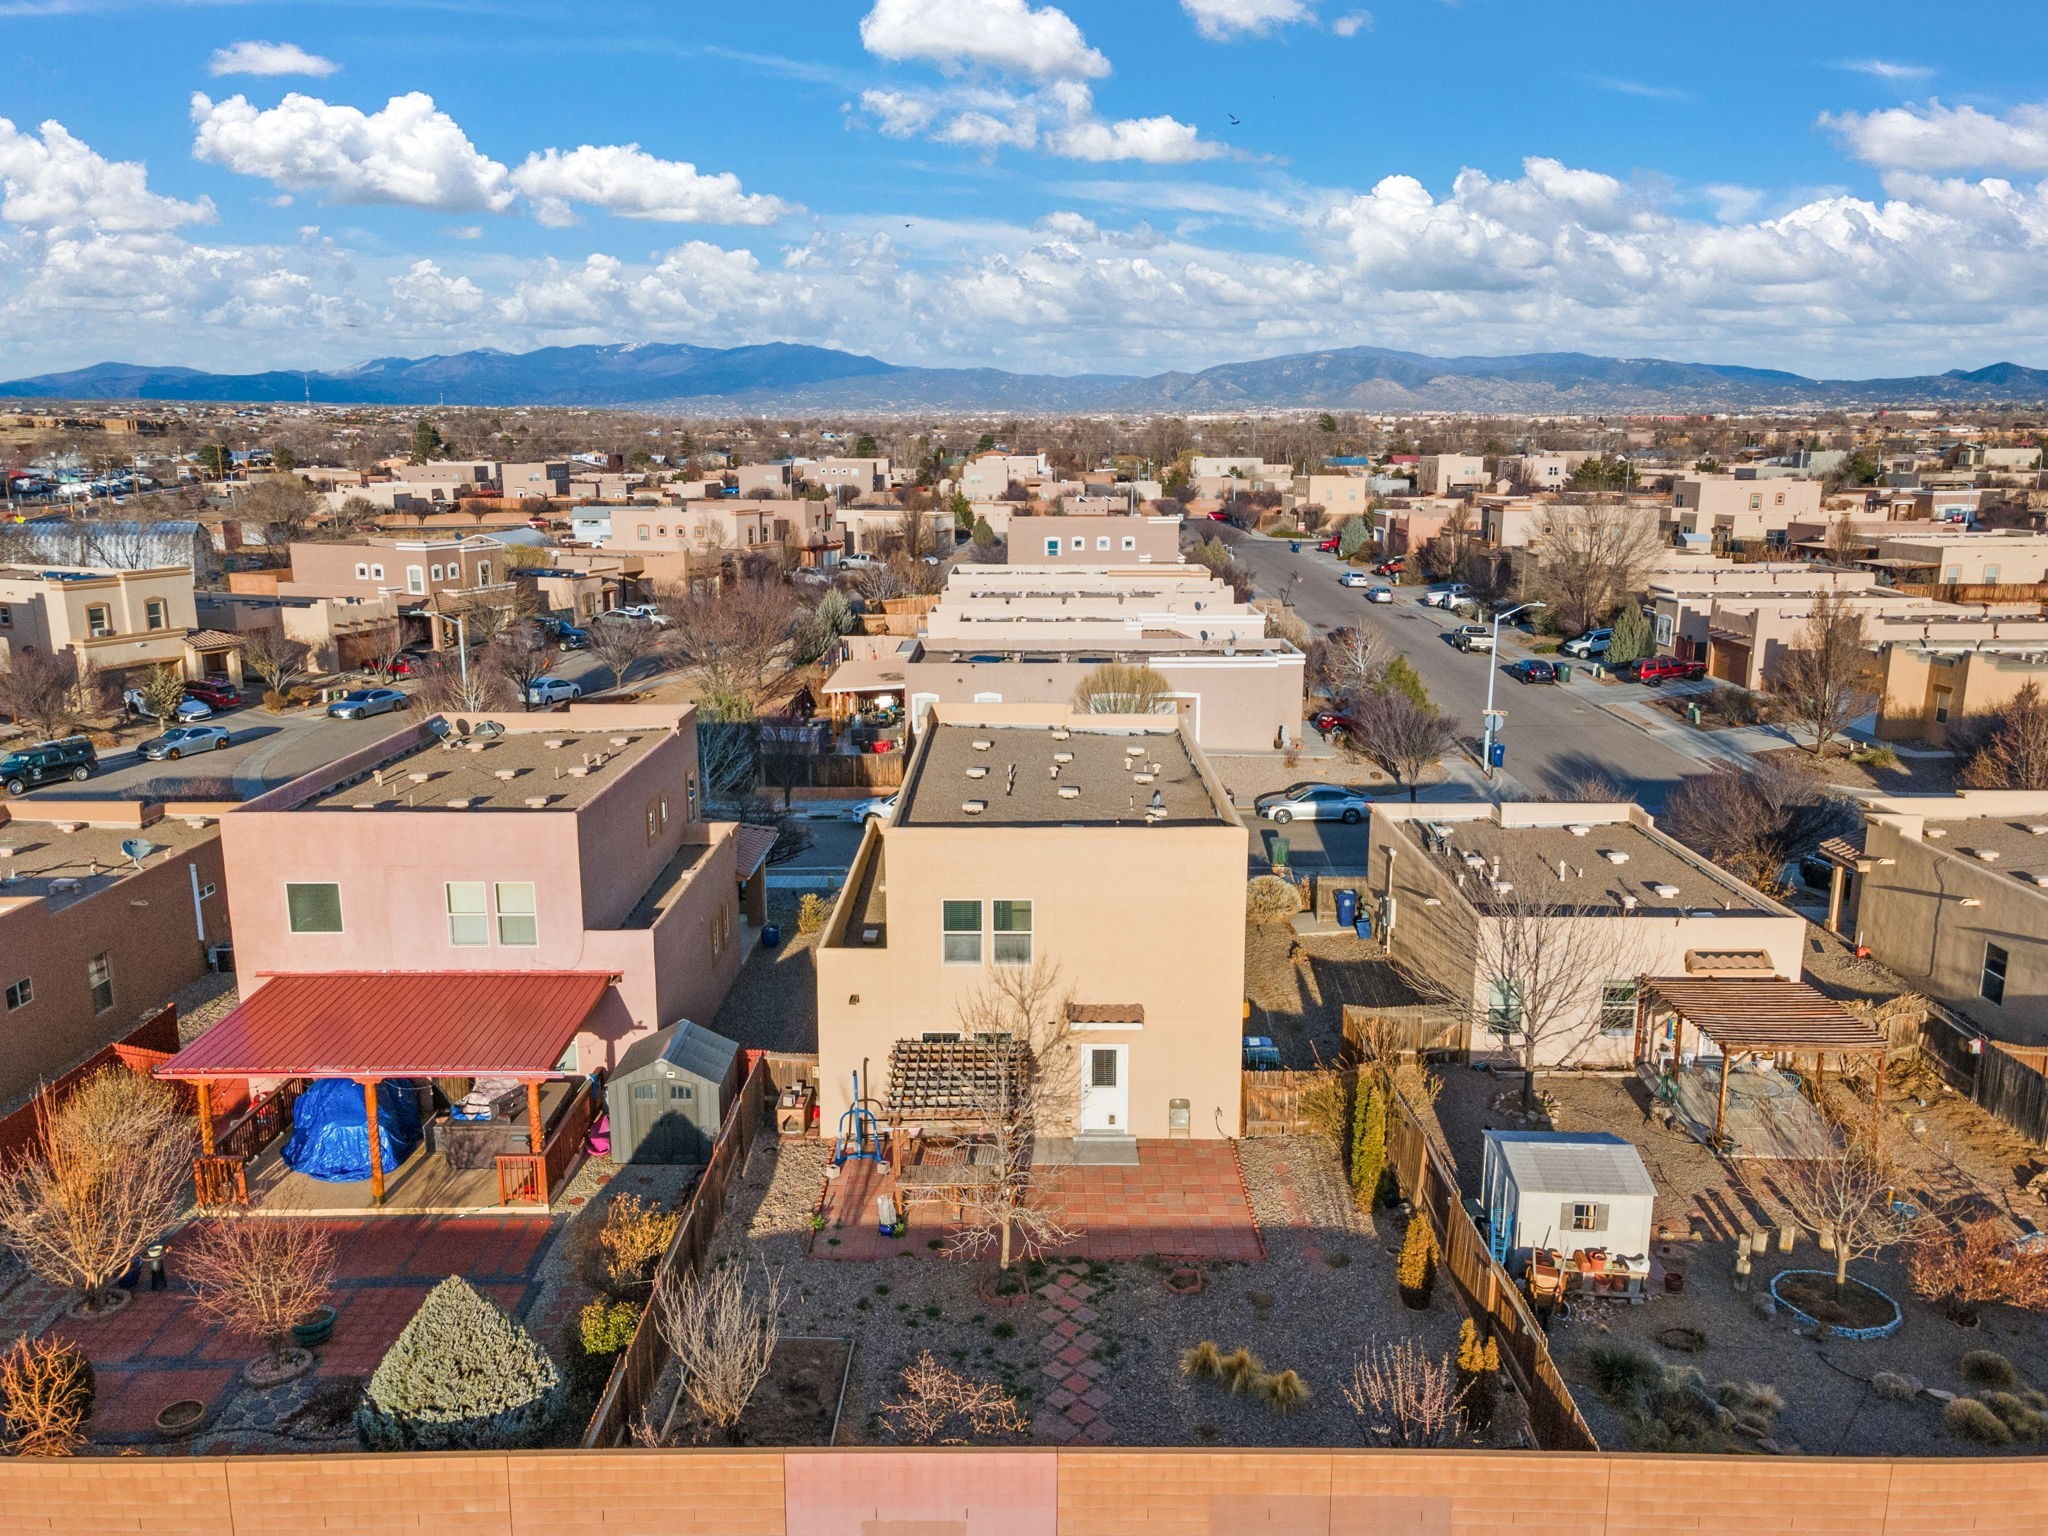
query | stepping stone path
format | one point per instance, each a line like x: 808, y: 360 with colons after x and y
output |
x: 1075, y: 1401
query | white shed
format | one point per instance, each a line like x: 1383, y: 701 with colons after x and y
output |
x: 1550, y: 1189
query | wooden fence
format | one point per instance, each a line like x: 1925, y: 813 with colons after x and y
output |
x: 1408, y: 1029
x: 142, y: 1048
x: 1276, y: 1103
x: 2008, y: 1081
x: 640, y: 1364
x: 1489, y: 1292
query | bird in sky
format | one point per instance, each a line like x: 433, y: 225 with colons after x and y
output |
x: 1235, y: 120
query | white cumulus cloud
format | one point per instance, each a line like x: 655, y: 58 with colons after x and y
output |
x: 1154, y: 140
x: 58, y: 183
x: 1353, y: 24
x: 408, y: 152
x: 624, y: 179
x: 259, y: 58
x: 1014, y: 35
x: 1223, y: 21
x: 1058, y: 120
x: 1938, y: 138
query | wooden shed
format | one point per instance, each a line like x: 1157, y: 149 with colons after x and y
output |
x: 670, y: 1093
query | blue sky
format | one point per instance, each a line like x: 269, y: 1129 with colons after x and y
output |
x: 1835, y: 188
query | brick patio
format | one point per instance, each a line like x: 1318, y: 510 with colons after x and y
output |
x: 159, y: 1348
x: 1185, y: 1198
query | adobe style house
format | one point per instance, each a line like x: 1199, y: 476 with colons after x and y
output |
x: 93, y: 939
x: 519, y: 843
x: 118, y: 623
x: 1093, y: 541
x: 1100, y: 847
x: 1467, y: 892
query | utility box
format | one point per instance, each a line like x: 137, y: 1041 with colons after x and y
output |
x: 669, y: 1095
x: 1566, y: 1192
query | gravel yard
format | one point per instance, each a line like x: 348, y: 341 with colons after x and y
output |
x: 1298, y: 988
x: 1325, y: 1292
x: 773, y: 1002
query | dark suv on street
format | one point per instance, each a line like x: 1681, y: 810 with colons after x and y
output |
x: 46, y: 762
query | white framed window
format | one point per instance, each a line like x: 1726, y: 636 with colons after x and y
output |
x: 1078, y: 543
x: 362, y: 570
x: 1129, y: 542
x: 99, y: 620
x: 1990, y: 575
x: 1663, y: 628
x: 1052, y: 546
x: 643, y: 533
x: 376, y: 573
x: 962, y: 924
x: 1012, y: 932
x: 313, y: 907
x: 1102, y: 542
x: 469, y: 922
x: 415, y: 580
x: 99, y: 975
x: 518, y: 925
x: 1756, y: 502
x: 1991, y: 985
x: 6, y: 616
x: 1952, y: 574
x: 434, y: 571
x: 21, y: 993
x: 1617, y: 1007
x: 483, y: 573
x: 156, y: 614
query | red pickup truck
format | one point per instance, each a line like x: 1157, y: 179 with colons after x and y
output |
x: 1329, y: 545
x: 1653, y: 670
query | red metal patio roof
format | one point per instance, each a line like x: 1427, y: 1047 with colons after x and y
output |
x: 398, y: 1024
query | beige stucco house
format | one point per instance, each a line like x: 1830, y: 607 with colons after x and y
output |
x: 116, y: 622
x: 1102, y: 848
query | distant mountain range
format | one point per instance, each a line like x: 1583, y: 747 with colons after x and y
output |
x: 799, y: 379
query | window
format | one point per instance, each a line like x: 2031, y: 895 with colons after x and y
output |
x: 1503, y: 1007
x: 362, y: 570
x: 1756, y: 503
x: 469, y: 924
x: 1992, y: 986
x: 517, y: 924
x: 99, y: 619
x: 1052, y: 546
x: 1129, y: 542
x: 376, y: 573
x: 962, y: 933
x: 1951, y: 574
x: 313, y: 908
x: 6, y: 617
x: 1617, y: 1007
x: 1990, y: 575
x: 1079, y: 543
x: 1942, y: 699
x: 1102, y: 542
x: 1663, y: 626
x: 156, y: 614
x: 434, y: 571
x: 1013, y: 932
x: 415, y: 580
x: 1102, y: 1068
x: 643, y: 533
x: 99, y: 975
x: 483, y: 573
x: 21, y: 994
x: 1585, y: 1216
x: 1778, y: 500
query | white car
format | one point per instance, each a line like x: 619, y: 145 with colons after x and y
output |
x: 1354, y: 579
x: 646, y: 613
x: 1380, y: 595
x: 1594, y: 642
x: 858, y: 562
x: 188, y: 708
x: 1457, y: 594
x: 881, y: 808
x: 552, y: 690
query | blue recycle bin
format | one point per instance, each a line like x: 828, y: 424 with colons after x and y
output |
x: 1347, y: 908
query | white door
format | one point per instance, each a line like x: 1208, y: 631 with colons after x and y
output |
x: 1105, y: 1088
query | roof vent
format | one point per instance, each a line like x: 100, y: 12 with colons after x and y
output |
x: 1061, y: 733
x: 1664, y: 889
x: 419, y: 778
x: 505, y: 775
x: 622, y: 741
x: 1068, y: 757
x: 537, y: 802
x: 462, y: 804
x: 1474, y: 860
x: 1578, y: 829
x: 1502, y: 887
x: 973, y: 807
x: 1143, y: 778
x: 871, y: 935
x: 1614, y: 855
x: 1628, y: 903
x: 983, y: 745
x: 1070, y: 791
x: 1134, y: 751
x: 1935, y: 832
x: 1985, y: 855
x: 978, y: 771
x: 554, y: 743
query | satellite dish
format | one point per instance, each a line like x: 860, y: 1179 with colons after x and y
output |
x: 437, y: 727
x: 135, y: 848
x: 490, y: 730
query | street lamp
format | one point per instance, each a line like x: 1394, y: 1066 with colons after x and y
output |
x: 1492, y: 721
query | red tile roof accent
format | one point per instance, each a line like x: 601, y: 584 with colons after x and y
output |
x: 398, y: 1024
x: 751, y: 847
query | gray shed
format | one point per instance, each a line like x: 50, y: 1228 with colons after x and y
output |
x: 669, y: 1094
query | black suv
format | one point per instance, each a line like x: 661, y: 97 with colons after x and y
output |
x: 48, y: 761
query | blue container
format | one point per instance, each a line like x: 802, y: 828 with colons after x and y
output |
x: 771, y: 935
x: 1293, y: 548
x: 1347, y: 908
x: 1363, y: 927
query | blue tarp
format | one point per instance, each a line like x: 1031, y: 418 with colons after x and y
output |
x: 329, y: 1140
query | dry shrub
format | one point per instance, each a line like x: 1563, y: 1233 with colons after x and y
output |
x: 46, y: 1396
x: 1324, y: 1105
x: 1405, y: 1397
x: 1269, y: 899
x: 2025, y: 1421
x: 1988, y: 1368
x: 1974, y: 1265
x: 257, y: 1277
x: 940, y: 1406
x: 813, y: 912
x: 1240, y: 1370
x: 1202, y: 1362
x: 1752, y: 1397
x: 1894, y: 1387
x: 635, y: 1235
x: 1969, y: 1418
x: 1620, y: 1374
x: 723, y: 1332
x: 1284, y: 1391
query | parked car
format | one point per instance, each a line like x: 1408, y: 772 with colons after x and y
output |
x: 646, y: 613
x: 188, y: 708
x: 1219, y: 517
x: 361, y: 703
x: 1380, y: 595
x: 1593, y: 642
x: 1472, y: 637
x: 858, y: 562
x: 1313, y: 802
x: 1387, y: 568
x: 1327, y: 546
x: 880, y: 808
x: 810, y: 574
x: 1531, y: 670
x: 1354, y: 579
x: 1450, y: 596
x: 185, y: 738
x: 1655, y: 670
x: 47, y: 761
x: 1329, y: 721
x: 568, y: 636
x: 552, y: 690
x: 215, y: 695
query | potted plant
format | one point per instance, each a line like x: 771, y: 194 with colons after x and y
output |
x: 262, y: 1279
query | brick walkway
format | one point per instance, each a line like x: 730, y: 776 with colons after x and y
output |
x: 159, y: 1348
x: 1185, y: 1198
x: 1076, y: 1396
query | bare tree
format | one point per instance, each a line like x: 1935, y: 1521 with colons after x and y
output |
x: 1447, y: 553
x: 618, y: 643
x: 942, y: 1406
x: 1848, y: 1198
x: 258, y: 1277
x: 916, y: 532
x: 39, y: 689
x: 485, y: 615
x: 1402, y: 736
x: 282, y: 506
x: 2009, y: 748
x: 1025, y: 1082
x: 1124, y: 688
x: 736, y: 639
x: 724, y: 1332
x: 1587, y: 557
x: 445, y: 684
x: 1352, y: 662
x: 1405, y: 1397
x: 525, y: 655
x: 45, y: 1397
x: 356, y: 515
x: 1754, y: 821
x: 113, y: 1170
x: 1843, y: 544
x: 281, y: 664
x: 1824, y: 680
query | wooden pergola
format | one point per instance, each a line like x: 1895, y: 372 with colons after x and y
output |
x: 1755, y: 1016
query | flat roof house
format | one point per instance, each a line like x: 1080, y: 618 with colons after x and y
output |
x: 116, y: 622
x: 1101, y: 848
x: 1096, y: 541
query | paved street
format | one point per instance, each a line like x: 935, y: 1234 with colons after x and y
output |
x: 1552, y: 733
